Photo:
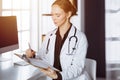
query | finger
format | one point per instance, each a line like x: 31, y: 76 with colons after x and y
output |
x: 51, y: 70
x: 43, y: 69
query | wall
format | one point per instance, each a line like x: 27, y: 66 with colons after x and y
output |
x: 95, y: 32
x: 0, y: 7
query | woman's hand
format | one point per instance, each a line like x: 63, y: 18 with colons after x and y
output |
x: 30, y: 53
x: 49, y: 72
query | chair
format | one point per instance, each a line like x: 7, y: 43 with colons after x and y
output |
x: 90, y: 67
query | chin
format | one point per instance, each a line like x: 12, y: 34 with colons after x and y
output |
x: 56, y: 25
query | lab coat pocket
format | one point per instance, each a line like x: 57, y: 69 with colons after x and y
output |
x: 67, y: 60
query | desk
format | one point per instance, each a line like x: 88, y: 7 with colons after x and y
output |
x: 9, y: 71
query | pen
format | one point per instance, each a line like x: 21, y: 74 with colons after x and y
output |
x: 29, y: 46
x: 31, y: 50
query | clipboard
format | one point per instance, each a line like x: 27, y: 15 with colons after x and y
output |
x: 39, y: 63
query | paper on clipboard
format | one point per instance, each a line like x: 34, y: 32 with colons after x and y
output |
x: 39, y: 63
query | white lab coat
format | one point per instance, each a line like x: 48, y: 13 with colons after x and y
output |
x: 69, y: 72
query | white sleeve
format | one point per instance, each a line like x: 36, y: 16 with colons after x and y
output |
x: 42, y: 51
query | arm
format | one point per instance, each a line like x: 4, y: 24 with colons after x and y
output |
x: 32, y: 54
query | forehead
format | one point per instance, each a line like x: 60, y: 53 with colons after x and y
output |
x: 57, y: 9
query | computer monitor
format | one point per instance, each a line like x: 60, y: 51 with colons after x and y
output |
x: 8, y: 34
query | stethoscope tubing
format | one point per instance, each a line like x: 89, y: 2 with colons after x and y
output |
x: 69, y: 53
x: 76, y: 40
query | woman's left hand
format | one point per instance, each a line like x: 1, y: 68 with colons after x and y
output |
x: 49, y: 72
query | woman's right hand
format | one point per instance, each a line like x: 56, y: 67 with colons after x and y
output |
x: 30, y: 53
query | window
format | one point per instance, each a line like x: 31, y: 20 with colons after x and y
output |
x: 112, y: 23
x: 112, y: 31
x: 23, y: 10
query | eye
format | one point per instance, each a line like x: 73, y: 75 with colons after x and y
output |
x: 58, y: 15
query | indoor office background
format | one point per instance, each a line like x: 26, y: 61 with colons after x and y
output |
x: 99, y: 20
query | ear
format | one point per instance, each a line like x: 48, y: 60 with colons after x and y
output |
x: 69, y: 14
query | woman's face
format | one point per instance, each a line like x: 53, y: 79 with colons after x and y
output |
x: 58, y: 15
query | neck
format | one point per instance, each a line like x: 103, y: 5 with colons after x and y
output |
x: 63, y: 29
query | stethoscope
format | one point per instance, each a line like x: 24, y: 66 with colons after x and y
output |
x: 76, y: 40
x: 69, y: 43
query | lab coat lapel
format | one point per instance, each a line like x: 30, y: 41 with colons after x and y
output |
x: 53, y: 38
x: 52, y: 48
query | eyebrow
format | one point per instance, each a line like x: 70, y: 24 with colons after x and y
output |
x: 46, y: 14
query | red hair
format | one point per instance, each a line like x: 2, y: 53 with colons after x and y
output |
x: 66, y: 5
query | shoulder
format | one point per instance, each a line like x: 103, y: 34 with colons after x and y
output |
x: 49, y: 34
x: 52, y: 32
x: 80, y: 35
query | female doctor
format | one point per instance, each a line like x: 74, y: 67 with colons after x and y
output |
x: 65, y: 47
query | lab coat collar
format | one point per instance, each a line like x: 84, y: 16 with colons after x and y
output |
x: 54, y: 32
x: 70, y: 32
